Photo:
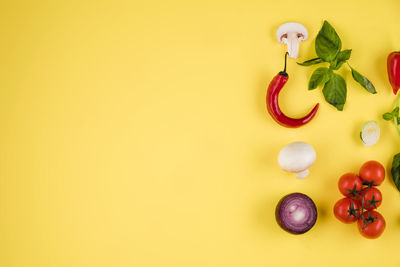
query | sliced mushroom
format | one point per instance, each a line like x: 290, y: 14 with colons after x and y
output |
x: 291, y: 34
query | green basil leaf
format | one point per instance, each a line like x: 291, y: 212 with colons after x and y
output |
x: 387, y: 116
x: 335, y: 91
x: 327, y: 43
x: 319, y: 76
x: 341, y: 58
x: 396, y: 170
x: 311, y: 62
x: 363, y: 81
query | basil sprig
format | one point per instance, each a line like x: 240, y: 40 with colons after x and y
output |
x: 388, y: 116
x: 328, y: 48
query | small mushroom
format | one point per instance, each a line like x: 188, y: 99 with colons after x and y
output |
x: 292, y: 34
x: 297, y: 157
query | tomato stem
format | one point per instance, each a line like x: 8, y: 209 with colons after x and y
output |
x: 366, y: 221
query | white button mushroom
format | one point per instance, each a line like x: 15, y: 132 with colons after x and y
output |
x: 292, y: 34
x: 297, y: 157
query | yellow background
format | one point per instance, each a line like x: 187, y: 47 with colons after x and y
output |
x: 135, y: 133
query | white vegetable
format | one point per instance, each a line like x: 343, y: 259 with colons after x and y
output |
x: 297, y: 157
x: 370, y: 133
x: 292, y: 34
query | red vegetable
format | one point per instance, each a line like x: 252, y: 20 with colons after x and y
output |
x: 372, y: 172
x: 347, y: 210
x: 362, y: 198
x: 274, y: 110
x: 350, y: 184
x: 371, y: 198
x: 373, y: 224
x: 393, y: 68
x: 296, y: 213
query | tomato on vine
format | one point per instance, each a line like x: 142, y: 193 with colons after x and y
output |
x: 371, y: 198
x: 373, y: 224
x: 347, y: 210
x: 350, y: 185
x: 372, y: 172
x: 362, y: 199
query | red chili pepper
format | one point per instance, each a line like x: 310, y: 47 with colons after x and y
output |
x: 393, y: 67
x: 273, y: 105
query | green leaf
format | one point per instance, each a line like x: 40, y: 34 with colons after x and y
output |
x: 319, y: 76
x: 341, y: 58
x: 387, y: 116
x: 333, y: 64
x: 335, y: 91
x: 327, y: 43
x: 311, y: 62
x: 363, y: 81
x: 396, y: 170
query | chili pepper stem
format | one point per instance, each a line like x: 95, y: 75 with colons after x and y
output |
x: 284, y: 73
x: 286, y: 54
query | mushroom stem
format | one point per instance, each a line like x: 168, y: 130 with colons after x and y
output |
x: 303, y: 174
x: 293, y: 44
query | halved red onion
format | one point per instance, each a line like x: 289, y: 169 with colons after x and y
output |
x: 296, y: 213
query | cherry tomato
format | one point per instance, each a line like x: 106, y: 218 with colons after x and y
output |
x: 347, y: 210
x: 371, y: 198
x: 374, y: 226
x: 372, y: 172
x: 350, y: 184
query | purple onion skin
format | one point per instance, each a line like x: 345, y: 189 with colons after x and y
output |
x: 296, y: 213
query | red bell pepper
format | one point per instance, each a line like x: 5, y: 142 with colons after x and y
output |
x: 393, y: 68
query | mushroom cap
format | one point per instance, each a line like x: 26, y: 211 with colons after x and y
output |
x: 291, y: 27
x: 296, y: 157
